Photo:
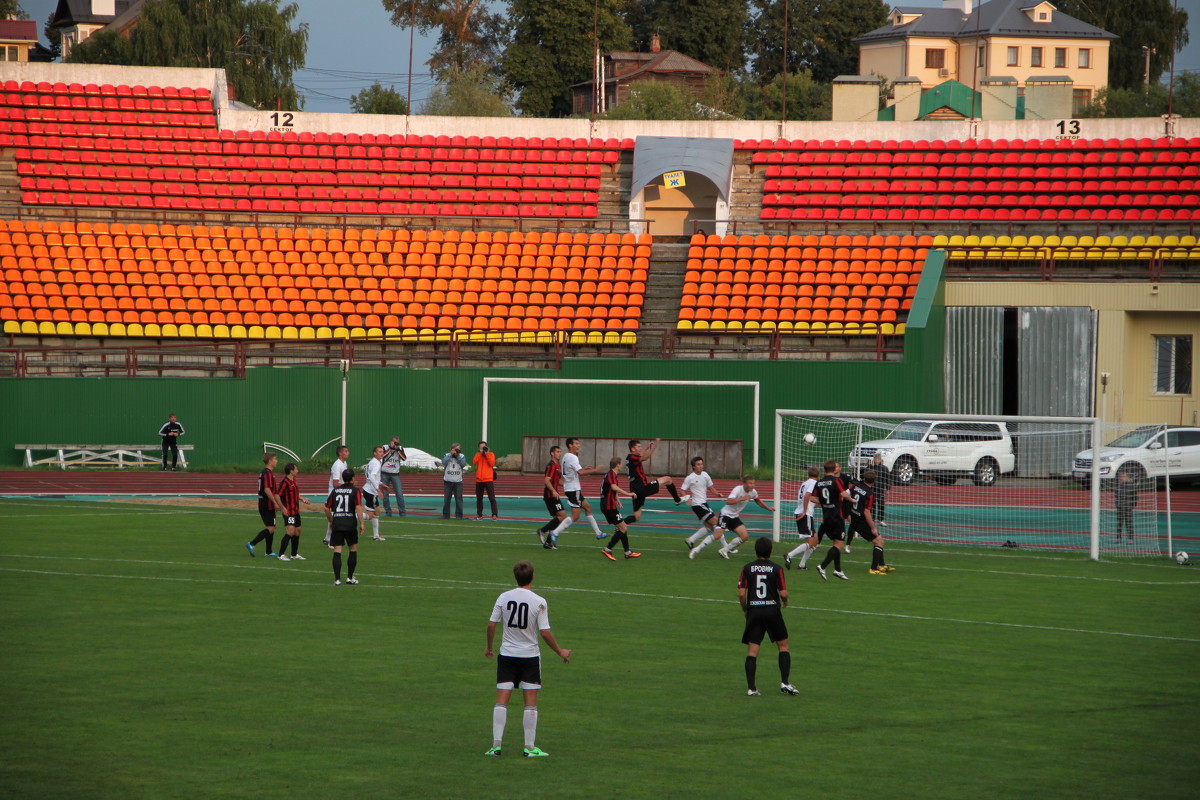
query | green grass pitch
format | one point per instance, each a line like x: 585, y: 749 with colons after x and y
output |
x: 146, y: 655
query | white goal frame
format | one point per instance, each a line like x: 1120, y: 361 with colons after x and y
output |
x: 755, y: 385
x: 1094, y: 422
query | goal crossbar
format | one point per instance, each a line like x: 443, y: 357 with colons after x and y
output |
x: 755, y: 385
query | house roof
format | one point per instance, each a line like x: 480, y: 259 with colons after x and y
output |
x: 994, y: 18
x: 950, y: 94
x: 73, y: 12
x: 671, y: 61
x: 18, y: 30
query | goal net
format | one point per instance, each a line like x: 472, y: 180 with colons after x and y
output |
x: 986, y: 481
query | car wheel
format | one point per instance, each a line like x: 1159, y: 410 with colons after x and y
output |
x: 905, y: 471
x: 945, y: 480
x: 986, y: 472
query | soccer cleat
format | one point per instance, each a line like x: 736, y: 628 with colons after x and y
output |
x: 884, y: 524
x: 250, y: 547
x: 683, y: 498
x: 283, y: 557
x: 837, y: 573
x: 787, y: 560
x: 541, y: 534
x: 723, y: 553
x: 601, y: 535
x: 787, y: 688
x: 535, y: 752
x: 847, y: 549
x: 547, y: 546
x: 608, y: 554
x: 352, y: 581
x: 494, y: 752
x: 337, y: 583
x: 692, y: 554
x: 690, y: 544
x: 272, y: 555
x: 877, y: 572
x: 753, y: 693
x: 886, y: 568
x: 298, y: 557
x: 821, y: 572
x: 378, y: 539
x: 733, y: 550
x: 632, y: 554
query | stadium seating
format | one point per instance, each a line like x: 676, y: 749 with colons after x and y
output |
x: 842, y: 285
x: 130, y: 279
x: 159, y: 148
x: 1019, y: 180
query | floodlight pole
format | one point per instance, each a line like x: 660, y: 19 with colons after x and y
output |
x: 344, y: 366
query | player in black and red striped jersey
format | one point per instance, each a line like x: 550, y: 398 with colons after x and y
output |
x: 346, y: 514
x: 268, y: 502
x: 641, y: 486
x: 830, y: 493
x: 289, y: 495
x: 552, y: 494
x: 862, y: 519
x: 610, y: 504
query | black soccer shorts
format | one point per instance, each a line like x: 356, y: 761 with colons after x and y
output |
x: 766, y: 620
x: 342, y: 538
x: 518, y: 673
x: 266, y: 512
x: 292, y: 521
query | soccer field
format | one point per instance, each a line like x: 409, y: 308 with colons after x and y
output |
x: 148, y: 656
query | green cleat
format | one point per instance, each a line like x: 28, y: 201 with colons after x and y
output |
x: 535, y: 752
x: 494, y: 752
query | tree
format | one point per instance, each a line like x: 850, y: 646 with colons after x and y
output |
x: 551, y: 49
x: 1139, y: 23
x: 469, y: 34
x: 650, y: 99
x: 807, y: 98
x: 11, y: 9
x: 375, y: 99
x: 819, y: 35
x: 252, y: 40
x: 710, y: 31
x: 473, y: 93
x: 1113, y: 101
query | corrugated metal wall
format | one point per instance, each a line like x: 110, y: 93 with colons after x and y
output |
x: 975, y: 360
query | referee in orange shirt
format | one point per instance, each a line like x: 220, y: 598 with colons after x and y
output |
x: 485, y: 480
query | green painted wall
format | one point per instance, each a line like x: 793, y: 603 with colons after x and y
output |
x: 228, y: 419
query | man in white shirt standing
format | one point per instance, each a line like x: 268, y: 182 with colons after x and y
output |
x: 731, y: 514
x: 806, y: 504
x: 571, y: 471
x: 696, y: 485
x: 453, y: 464
x: 335, y: 480
x: 524, y: 616
x: 371, y: 491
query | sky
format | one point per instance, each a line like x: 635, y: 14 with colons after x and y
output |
x: 353, y: 43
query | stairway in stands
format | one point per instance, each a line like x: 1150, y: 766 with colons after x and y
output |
x: 664, y: 289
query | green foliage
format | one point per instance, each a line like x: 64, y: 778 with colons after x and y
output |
x: 1151, y: 102
x: 551, y: 48
x: 711, y: 31
x: 11, y: 9
x: 469, y: 34
x: 651, y: 99
x: 819, y: 35
x: 1138, y: 23
x: 473, y: 93
x: 807, y: 99
x: 252, y: 40
x: 376, y: 99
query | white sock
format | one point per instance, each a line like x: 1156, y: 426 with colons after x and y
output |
x: 499, y: 720
x: 530, y: 720
x: 375, y: 527
x: 799, y: 550
x: 695, y: 537
x: 595, y: 528
x: 703, y: 544
x: 562, y: 526
x: 808, y: 553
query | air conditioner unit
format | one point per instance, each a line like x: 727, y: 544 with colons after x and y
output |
x: 944, y: 72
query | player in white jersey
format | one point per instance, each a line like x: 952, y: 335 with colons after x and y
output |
x: 806, y: 504
x: 524, y: 616
x: 731, y: 519
x: 697, y: 485
x: 573, y: 489
x: 340, y: 465
x: 371, y: 491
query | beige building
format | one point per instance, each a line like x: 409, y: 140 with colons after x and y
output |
x: 1020, y: 39
x: 79, y: 19
x: 17, y: 38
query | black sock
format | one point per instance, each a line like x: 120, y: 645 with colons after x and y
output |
x: 619, y: 538
x: 270, y: 542
x: 674, y: 492
x: 629, y: 520
x: 549, y: 526
x: 295, y: 544
x: 849, y: 538
x: 337, y: 566
x: 828, y: 557
x: 351, y: 563
x: 261, y: 535
x: 837, y: 558
x: 877, y: 557
x: 283, y: 544
x: 751, y: 668
x: 785, y: 666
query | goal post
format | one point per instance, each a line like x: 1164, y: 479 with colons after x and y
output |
x: 754, y: 387
x: 963, y: 479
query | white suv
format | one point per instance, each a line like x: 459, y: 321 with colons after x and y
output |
x: 944, y: 451
x: 1146, y: 452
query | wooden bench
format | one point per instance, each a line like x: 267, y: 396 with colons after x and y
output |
x: 119, y: 456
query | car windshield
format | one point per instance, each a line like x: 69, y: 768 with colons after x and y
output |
x: 1135, y: 438
x: 910, y: 431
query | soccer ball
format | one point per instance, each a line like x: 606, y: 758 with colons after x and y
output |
x: 810, y: 439
x: 1181, y: 557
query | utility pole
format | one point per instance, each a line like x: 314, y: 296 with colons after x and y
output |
x: 1148, y: 51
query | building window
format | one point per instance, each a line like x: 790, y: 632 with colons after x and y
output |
x: 1060, y: 57
x: 9, y: 53
x: 1043, y: 16
x: 982, y: 56
x: 1035, y: 56
x: 1014, y: 56
x: 935, y: 59
x: 1173, y: 364
x: 1080, y: 99
x: 1085, y: 59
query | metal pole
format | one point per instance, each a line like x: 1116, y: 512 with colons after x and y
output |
x: 1094, y: 512
x: 787, y: 5
x: 412, y: 26
x: 345, y: 367
x: 778, y: 483
x: 1167, y: 478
